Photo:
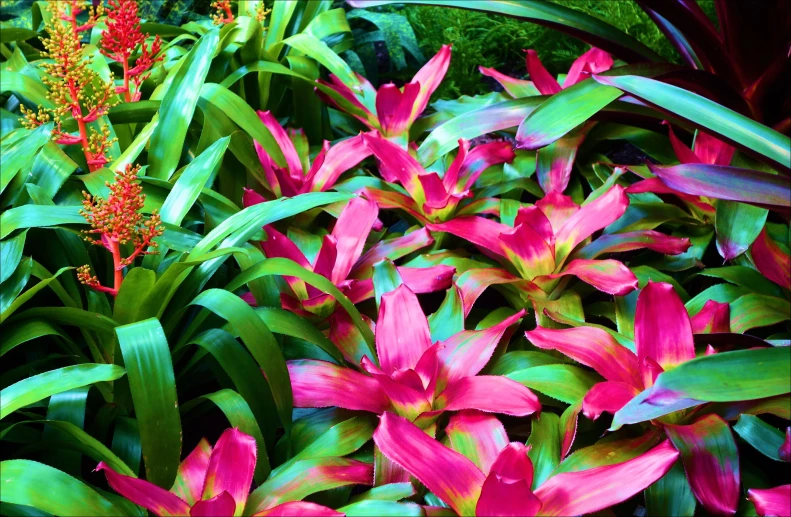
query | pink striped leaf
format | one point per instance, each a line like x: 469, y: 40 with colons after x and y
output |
x: 713, y: 317
x: 662, y: 330
x: 771, y: 261
x: 399, y: 164
x: 392, y: 249
x: 507, y: 489
x: 407, y: 400
x: 480, y: 231
x: 593, y: 61
x: 220, y: 504
x: 771, y: 502
x: 473, y: 282
x: 145, y: 494
x: 592, y: 347
x: 394, y: 107
x: 293, y: 163
x: 478, y: 436
x: 608, y: 276
x: 476, y: 393
x: 554, y: 162
x: 402, y: 332
x: 299, y: 509
x: 192, y: 473
x: 542, y: 79
x: 338, y: 159
x: 588, y: 491
x: 620, y: 242
x: 351, y: 229
x: 480, y: 158
x: 589, y: 219
x: 516, y: 88
x: 711, y: 460
x: 568, y: 427
x: 429, y: 78
x: 558, y: 209
x: 231, y: 467
x: 527, y: 251
x: 323, y: 384
x: 607, y: 397
x: 533, y: 217
x: 466, y: 353
x: 430, y: 462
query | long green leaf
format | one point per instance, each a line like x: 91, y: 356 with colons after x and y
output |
x: 43, y: 385
x: 732, y: 126
x: 153, y: 386
x: 37, y: 216
x: 765, y: 438
x: 178, y: 106
x: 34, y: 484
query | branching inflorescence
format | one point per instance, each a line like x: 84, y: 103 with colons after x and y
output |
x: 117, y: 220
x: 75, y: 89
x: 121, y: 40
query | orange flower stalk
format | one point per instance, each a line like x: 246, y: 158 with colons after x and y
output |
x: 74, y: 88
x: 117, y: 221
x: 224, y: 14
x: 120, y: 41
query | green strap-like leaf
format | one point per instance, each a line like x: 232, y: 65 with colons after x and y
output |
x: 43, y: 385
x: 34, y: 484
x: 152, y: 383
x: 545, y: 440
x: 762, y: 436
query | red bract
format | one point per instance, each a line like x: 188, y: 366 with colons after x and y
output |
x: 499, y: 483
x: 544, y: 237
x: 341, y: 260
x: 118, y: 221
x: 431, y: 198
x: 390, y: 110
x: 414, y: 378
x: 120, y: 41
x: 216, y: 481
x: 293, y: 179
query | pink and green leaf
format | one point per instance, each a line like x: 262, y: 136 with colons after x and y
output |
x: 771, y: 502
x: 431, y: 462
x: 711, y: 460
x: 771, y: 261
x: 322, y: 384
x: 402, y: 332
x: 475, y: 393
x: 221, y: 504
x: 608, y: 397
x: 231, y: 468
x: 507, y: 489
x: 609, y: 276
x: 629, y: 241
x: 192, y: 473
x: 145, y: 494
x: 478, y: 436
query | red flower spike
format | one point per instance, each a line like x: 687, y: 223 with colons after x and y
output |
x: 224, y: 14
x: 117, y: 221
x: 120, y: 41
x: 74, y: 88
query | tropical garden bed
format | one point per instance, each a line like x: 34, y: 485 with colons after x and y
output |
x: 257, y: 258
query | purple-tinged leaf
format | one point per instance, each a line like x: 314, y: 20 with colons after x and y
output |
x: 609, y: 397
x: 771, y: 261
x: 220, y: 504
x: 609, y: 276
x: 729, y: 183
x: 620, y: 242
x: 588, y: 491
x: 568, y: 427
x: 711, y: 460
x: 231, y: 467
x: 430, y: 462
x: 338, y: 159
x: 662, y: 332
x: 145, y: 494
x: 771, y: 502
x: 785, y: 449
x: 478, y: 436
x: 737, y: 226
x: 554, y: 162
x: 322, y: 384
x: 476, y: 393
x: 507, y: 489
x: 402, y: 333
x: 592, y: 347
x: 192, y: 473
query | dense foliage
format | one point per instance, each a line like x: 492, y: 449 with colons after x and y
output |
x: 240, y: 278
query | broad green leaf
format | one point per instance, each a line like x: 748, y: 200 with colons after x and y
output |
x: 724, y: 377
x: 318, y: 50
x: 385, y: 279
x: 745, y: 277
x: 10, y: 289
x: 27, y: 295
x: 34, y: 484
x: 281, y: 266
x: 259, y: 341
x: 18, y: 154
x: 545, y: 440
x: 36, y: 216
x: 449, y: 318
x: 25, y: 87
x: 126, y: 443
x: 79, y: 440
x: 281, y: 321
x: 43, y: 385
x: 732, y: 126
x: 671, y: 494
x: 366, y: 508
x: 563, y: 382
x: 762, y: 436
x: 737, y: 225
x: 153, y: 386
x: 758, y: 310
x: 11, y: 254
x: 178, y: 106
x: 238, y: 413
x: 607, y: 452
x: 563, y: 112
